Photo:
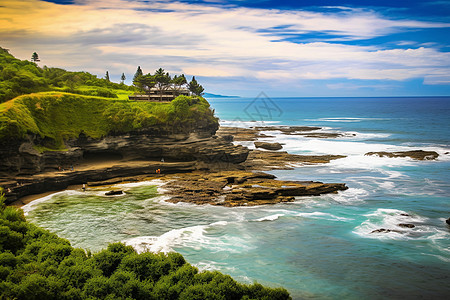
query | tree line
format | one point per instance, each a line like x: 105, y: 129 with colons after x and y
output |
x: 162, y: 81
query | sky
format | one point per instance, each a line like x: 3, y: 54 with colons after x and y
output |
x: 312, y: 48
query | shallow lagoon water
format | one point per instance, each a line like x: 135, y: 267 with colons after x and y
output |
x: 317, y: 247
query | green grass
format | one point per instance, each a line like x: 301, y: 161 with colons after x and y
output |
x: 57, y: 117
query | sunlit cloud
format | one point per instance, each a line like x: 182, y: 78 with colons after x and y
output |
x: 213, y: 41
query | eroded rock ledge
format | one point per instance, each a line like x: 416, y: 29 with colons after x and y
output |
x: 271, y: 160
x: 254, y: 133
x: 233, y: 188
x: 414, y: 154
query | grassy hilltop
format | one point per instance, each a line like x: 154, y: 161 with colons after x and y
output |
x: 57, y: 105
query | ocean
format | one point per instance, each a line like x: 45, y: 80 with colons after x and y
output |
x: 319, y: 247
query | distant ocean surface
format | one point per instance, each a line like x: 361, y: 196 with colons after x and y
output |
x: 317, y: 247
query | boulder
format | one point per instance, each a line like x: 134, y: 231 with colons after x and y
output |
x: 268, y: 146
x: 447, y: 221
x: 405, y: 225
x: 112, y: 193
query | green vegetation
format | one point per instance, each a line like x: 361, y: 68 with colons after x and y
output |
x: 59, y: 105
x: 195, y: 88
x: 18, y: 77
x: 161, y: 81
x: 37, y: 264
x: 57, y: 117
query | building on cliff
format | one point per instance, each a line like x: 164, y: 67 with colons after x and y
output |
x: 155, y: 95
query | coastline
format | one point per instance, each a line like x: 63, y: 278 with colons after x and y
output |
x: 107, y: 171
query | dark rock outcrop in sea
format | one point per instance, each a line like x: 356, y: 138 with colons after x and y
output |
x: 383, y: 230
x: 270, y: 160
x: 114, y: 193
x: 406, y: 225
x: 414, y: 154
x: 240, y: 134
x: 253, y: 133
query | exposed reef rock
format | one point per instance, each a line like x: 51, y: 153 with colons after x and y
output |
x: 234, y: 188
x: 383, y: 230
x: 414, y: 154
x: 447, y: 221
x: 270, y: 160
x: 288, y: 129
x: 305, y: 131
x: 406, y: 225
x: 268, y: 146
x: 240, y: 134
x: 253, y: 133
x: 402, y: 225
x: 120, y: 171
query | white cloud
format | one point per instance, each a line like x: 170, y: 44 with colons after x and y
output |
x: 437, y: 79
x: 214, y: 41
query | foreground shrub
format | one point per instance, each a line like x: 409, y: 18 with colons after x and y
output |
x: 36, y: 264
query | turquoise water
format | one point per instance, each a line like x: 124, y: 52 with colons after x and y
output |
x: 317, y: 247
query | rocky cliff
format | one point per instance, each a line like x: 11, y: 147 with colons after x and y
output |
x: 24, y: 170
x: 24, y: 159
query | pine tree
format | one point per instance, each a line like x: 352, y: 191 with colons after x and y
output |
x: 35, y: 57
x: 123, y: 77
x: 195, y: 88
x: 138, y: 73
x: 107, y: 76
x: 163, y: 81
x: 178, y: 82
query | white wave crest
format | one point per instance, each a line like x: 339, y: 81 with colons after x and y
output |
x: 349, y: 196
x: 322, y: 215
x: 269, y: 218
x: 346, y: 119
x: 388, y: 220
x: 246, y: 124
x: 192, y: 237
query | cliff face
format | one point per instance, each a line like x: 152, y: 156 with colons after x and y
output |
x: 22, y: 158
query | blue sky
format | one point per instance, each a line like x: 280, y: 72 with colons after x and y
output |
x: 284, y: 48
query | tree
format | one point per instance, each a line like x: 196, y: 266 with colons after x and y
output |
x: 178, y: 82
x: 138, y: 73
x: 145, y: 83
x: 35, y: 57
x: 195, y: 88
x: 163, y: 81
x: 107, y: 76
x: 123, y: 77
